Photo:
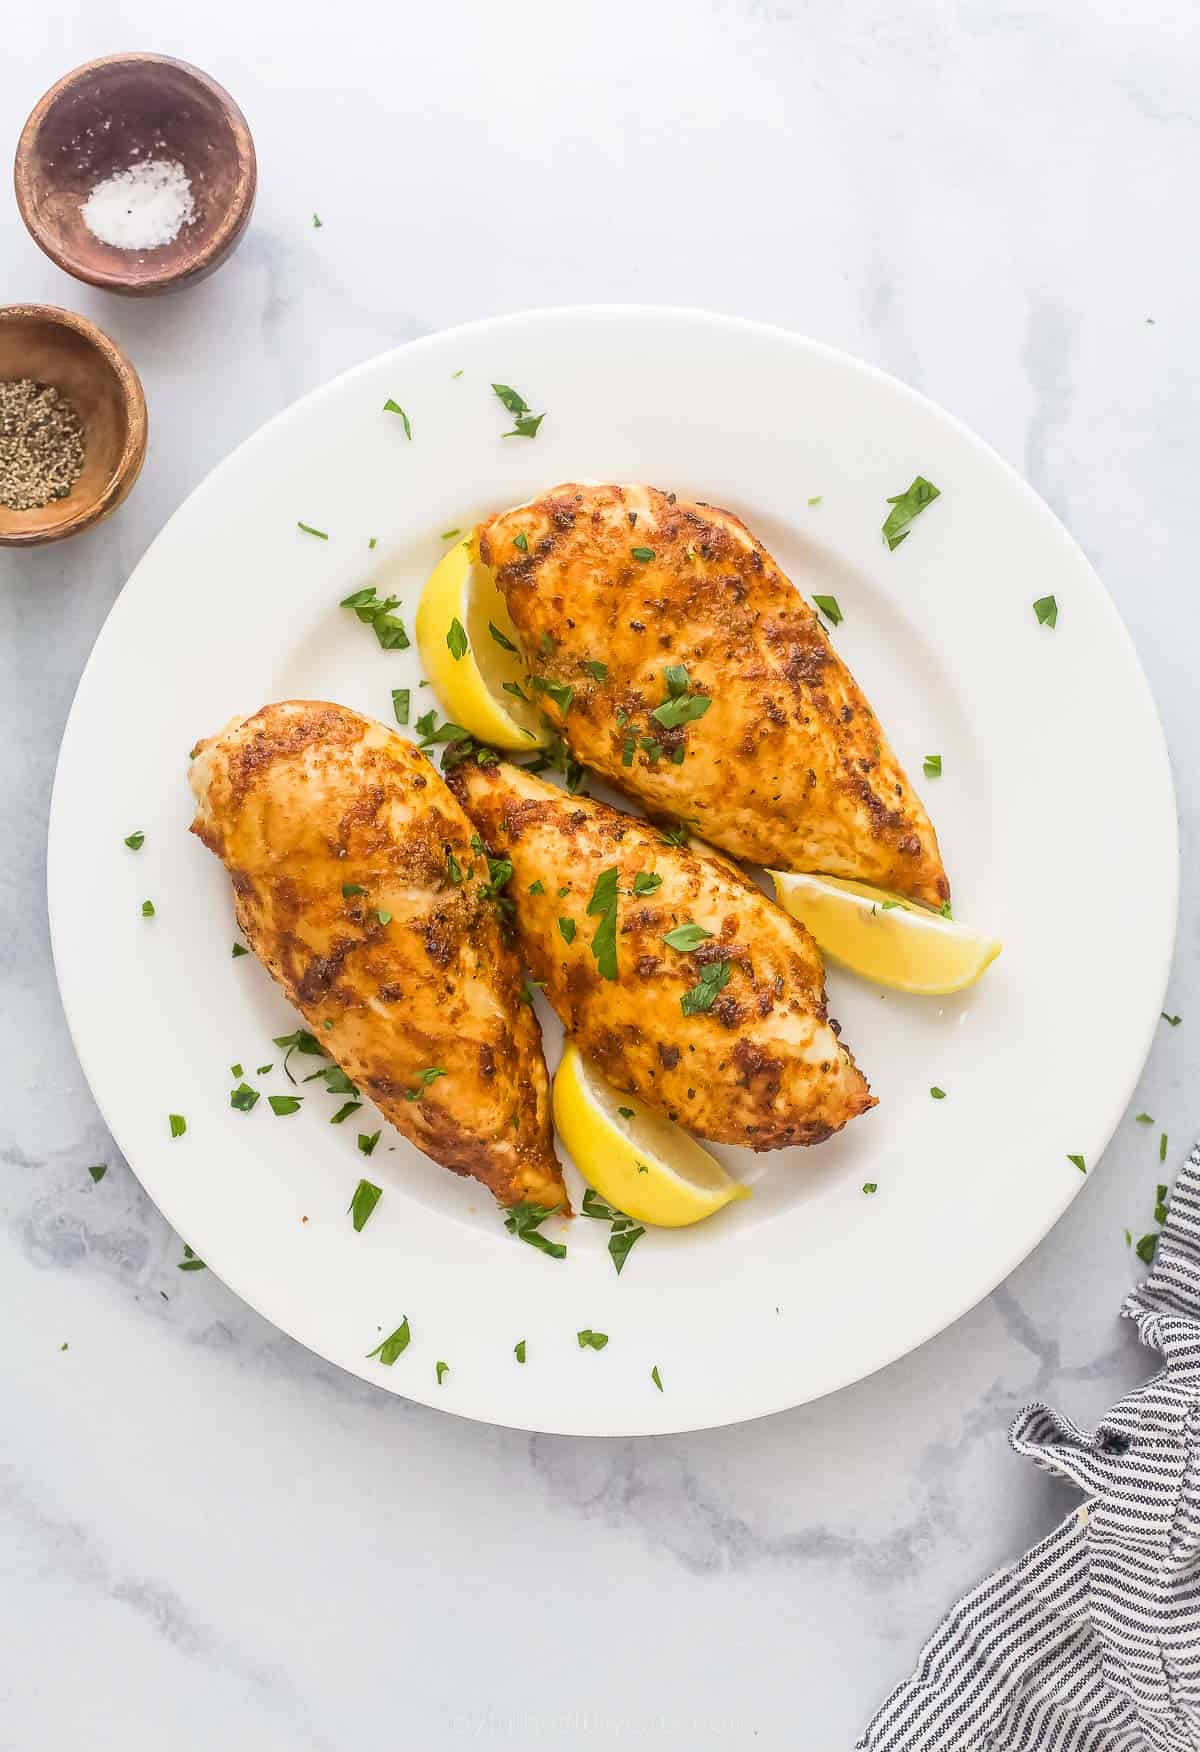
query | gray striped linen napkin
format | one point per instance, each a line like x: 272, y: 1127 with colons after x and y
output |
x: 1091, y: 1642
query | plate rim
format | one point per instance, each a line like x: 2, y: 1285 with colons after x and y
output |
x: 775, y: 333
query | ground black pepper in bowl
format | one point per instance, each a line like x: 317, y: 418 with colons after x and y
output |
x: 41, y: 445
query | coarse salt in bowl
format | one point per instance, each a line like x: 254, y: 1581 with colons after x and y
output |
x: 136, y: 173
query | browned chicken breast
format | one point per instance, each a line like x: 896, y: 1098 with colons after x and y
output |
x: 676, y: 977
x: 678, y: 661
x: 356, y: 883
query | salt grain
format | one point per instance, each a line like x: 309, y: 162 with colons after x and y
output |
x: 143, y: 207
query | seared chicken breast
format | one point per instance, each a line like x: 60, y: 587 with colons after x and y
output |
x: 357, y: 885
x: 675, y: 975
x: 677, y: 660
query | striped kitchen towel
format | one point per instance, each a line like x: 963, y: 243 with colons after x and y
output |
x: 1091, y: 1642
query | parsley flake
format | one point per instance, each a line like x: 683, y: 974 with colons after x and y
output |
x: 828, y: 606
x: 938, y: 1094
x: 424, y: 1079
x: 345, y: 1110
x: 870, y: 1186
x: 282, y: 1105
x: 646, y: 881
x: 603, y: 905
x: 656, y: 1377
x: 1079, y: 1163
x: 308, y: 529
x: 178, y: 1124
x: 686, y: 937
x: 521, y: 541
x: 525, y: 1221
x: 239, y: 949
x: 367, y: 1143
x: 98, y: 1172
x: 243, y: 1098
x: 1046, y: 609
x: 401, y: 698
x: 443, y: 1369
x: 519, y: 1350
x: 906, y: 506
x: 566, y: 930
x: 933, y: 766
x: 1173, y: 1020
x: 502, y: 639
x: 589, y: 1340
x: 366, y: 1197
x: 703, y: 994
x: 136, y: 841
x: 147, y: 909
x: 393, y: 1346
x: 456, y: 639
x: 644, y: 554
x: 393, y: 407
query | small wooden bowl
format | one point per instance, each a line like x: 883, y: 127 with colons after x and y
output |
x: 57, y: 347
x: 120, y: 111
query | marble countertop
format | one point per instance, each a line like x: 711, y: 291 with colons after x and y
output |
x: 210, y: 1537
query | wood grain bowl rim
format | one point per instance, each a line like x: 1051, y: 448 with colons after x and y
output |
x: 133, y: 453
x: 182, y: 269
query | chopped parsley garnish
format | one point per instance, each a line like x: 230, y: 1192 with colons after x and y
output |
x: 521, y: 541
x: 147, y: 909
x: 646, y: 881
x: 239, y: 949
x: 624, y: 1235
x: 530, y: 989
x: 376, y: 611
x: 393, y: 1346
x: 373, y: 543
x: 515, y: 689
x: 933, y: 766
x: 906, y: 506
x: 1173, y: 1020
x: 703, y: 995
x: 626, y: 1112
x: 308, y: 529
x: 525, y: 424
x: 98, y: 1172
x: 456, y: 639
x: 1079, y: 1163
x: 816, y: 500
x: 687, y: 937
x: 316, y: 222
x: 525, y: 1220
x: 594, y: 1206
x: 589, y: 1340
x: 566, y: 930
x: 656, y: 1377
x: 1162, y: 1147
x: 1160, y: 1204
x: 345, y: 1110
x: 538, y: 887
x: 561, y: 692
x: 189, y: 1262
x: 519, y: 1350
x: 1144, y: 1118
x: 1146, y: 1248
x: 944, y: 910
x: 870, y: 1186
x: 401, y: 698
x: 443, y: 1369
x: 366, y: 1197
x: 393, y: 407
x: 449, y: 534
x: 644, y: 554
x: 938, y: 1094
x: 178, y: 1124
x: 282, y: 1105
x: 430, y: 731
x: 384, y: 917
x: 424, y: 1079
x: 263, y: 1070
x: 243, y: 1098
x: 502, y: 640
x: 1046, y: 609
x: 680, y: 706
x: 828, y: 606
x: 603, y: 905
x: 335, y: 1079
x: 598, y: 671
x: 453, y: 869
x: 367, y: 1143
x: 349, y: 890
x: 136, y: 841
x: 676, y: 836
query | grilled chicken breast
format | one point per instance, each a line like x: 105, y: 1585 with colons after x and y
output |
x: 723, y: 1028
x: 677, y: 660
x: 356, y: 883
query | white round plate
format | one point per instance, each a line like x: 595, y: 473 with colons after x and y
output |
x: 1055, y: 812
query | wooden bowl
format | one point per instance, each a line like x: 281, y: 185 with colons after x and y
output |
x: 117, y: 112
x: 57, y: 347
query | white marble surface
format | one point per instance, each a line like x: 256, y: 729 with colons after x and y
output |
x: 207, y: 1537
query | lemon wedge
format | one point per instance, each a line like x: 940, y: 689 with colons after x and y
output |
x: 638, y: 1160
x: 886, y: 939
x: 470, y: 651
